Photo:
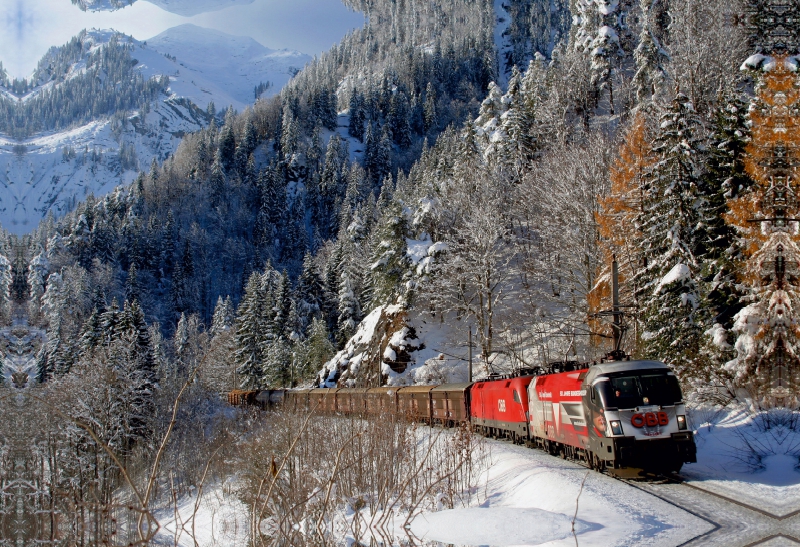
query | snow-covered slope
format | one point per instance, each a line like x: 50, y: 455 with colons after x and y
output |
x: 187, y: 8
x: 52, y: 172
x: 229, y: 65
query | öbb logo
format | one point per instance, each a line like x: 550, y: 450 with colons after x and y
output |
x: 650, y: 419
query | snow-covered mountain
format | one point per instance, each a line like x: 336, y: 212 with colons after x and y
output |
x: 55, y: 170
x: 187, y: 8
x: 229, y: 66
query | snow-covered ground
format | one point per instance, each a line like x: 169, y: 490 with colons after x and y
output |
x: 525, y: 498
x: 522, y: 483
x: 212, y: 65
x: 749, y: 457
x: 218, y: 519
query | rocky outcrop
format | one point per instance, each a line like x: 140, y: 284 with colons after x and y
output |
x: 381, y: 348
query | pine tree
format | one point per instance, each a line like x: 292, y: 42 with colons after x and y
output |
x: 430, y: 115
x: 249, y: 335
x: 670, y: 289
x: 278, y: 363
x: 295, y: 332
x: 382, y: 166
x: 399, y: 120
x: 389, y: 258
x: 370, y: 149
x: 222, y: 320
x: 519, y: 126
x: 290, y: 133
x: 349, y: 306
x: 330, y: 188
x: 181, y: 338
x: 245, y: 147
x: 357, y: 117
x: 282, y: 305
x: 91, y: 333
x: 649, y: 56
x: 110, y: 321
x: 314, y: 351
x: 226, y: 148
x: 309, y: 293
x: 726, y: 179
x: 133, y: 289
x: 217, y: 181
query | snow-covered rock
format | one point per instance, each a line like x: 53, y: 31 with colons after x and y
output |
x: 383, y: 341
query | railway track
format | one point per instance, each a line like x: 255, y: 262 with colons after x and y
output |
x: 736, y: 523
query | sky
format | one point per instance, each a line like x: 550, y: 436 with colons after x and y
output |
x: 28, y: 28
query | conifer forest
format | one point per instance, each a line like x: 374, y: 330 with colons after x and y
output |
x: 443, y: 190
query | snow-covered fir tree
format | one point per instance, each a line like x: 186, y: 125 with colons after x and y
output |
x: 673, y: 224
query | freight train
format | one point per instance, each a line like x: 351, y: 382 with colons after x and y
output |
x: 616, y: 415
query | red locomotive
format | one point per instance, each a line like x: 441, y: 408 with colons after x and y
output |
x: 621, y: 414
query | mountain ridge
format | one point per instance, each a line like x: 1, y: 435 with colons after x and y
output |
x: 52, y: 170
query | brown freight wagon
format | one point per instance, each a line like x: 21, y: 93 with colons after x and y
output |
x: 382, y: 400
x: 450, y: 403
x: 351, y: 400
x: 415, y: 402
x: 323, y: 400
x: 296, y: 400
x: 270, y: 398
x: 239, y: 397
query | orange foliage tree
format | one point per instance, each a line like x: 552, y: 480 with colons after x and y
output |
x: 619, y: 234
x: 767, y: 330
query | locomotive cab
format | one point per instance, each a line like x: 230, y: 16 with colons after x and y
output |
x: 637, y: 417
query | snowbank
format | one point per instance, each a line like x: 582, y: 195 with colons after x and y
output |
x: 218, y: 519
x: 748, y: 456
x: 498, y: 526
x: 528, y: 495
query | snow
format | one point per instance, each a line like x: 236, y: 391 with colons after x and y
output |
x: 421, y: 252
x: 607, y: 8
x: 755, y: 62
x: 438, y: 247
x: 743, y: 451
x: 218, y: 519
x: 521, y: 483
x: 417, y: 250
x: 498, y: 526
x: 678, y: 273
x: 223, y: 65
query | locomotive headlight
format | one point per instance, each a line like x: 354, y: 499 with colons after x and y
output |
x: 616, y: 427
x: 681, y: 422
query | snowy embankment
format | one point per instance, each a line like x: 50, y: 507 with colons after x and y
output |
x: 218, y: 519
x: 751, y: 457
x: 529, y: 498
x: 525, y: 497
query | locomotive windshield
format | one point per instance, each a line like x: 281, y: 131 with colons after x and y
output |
x: 633, y: 390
